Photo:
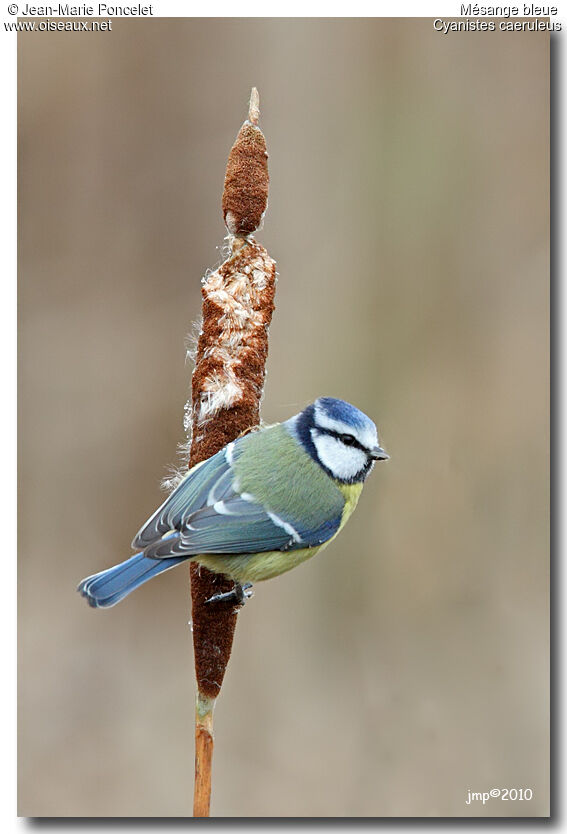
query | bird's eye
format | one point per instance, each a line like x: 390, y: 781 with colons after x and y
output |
x: 348, y: 439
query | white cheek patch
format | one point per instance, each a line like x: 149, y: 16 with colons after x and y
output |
x: 345, y: 462
x: 365, y: 435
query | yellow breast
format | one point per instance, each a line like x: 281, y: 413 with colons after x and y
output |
x: 351, y: 494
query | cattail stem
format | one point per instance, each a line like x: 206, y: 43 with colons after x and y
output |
x: 203, y: 755
x: 227, y: 385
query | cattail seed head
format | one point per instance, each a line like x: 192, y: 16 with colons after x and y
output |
x: 228, y: 378
x: 245, y: 195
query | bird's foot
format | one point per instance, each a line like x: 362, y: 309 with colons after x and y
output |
x: 238, y: 595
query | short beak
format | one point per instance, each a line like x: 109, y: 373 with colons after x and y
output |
x: 378, y: 453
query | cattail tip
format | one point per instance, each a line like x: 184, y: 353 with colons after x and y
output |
x: 254, y: 107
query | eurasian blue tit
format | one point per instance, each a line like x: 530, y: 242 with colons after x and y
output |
x: 262, y: 505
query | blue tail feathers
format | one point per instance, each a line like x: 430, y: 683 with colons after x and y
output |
x: 105, y: 589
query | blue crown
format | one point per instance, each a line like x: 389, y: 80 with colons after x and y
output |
x: 345, y: 412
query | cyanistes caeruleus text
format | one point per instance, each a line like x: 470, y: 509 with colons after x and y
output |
x: 262, y: 505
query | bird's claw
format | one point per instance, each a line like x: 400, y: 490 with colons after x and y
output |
x: 239, y: 594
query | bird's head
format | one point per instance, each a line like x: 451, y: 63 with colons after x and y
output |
x: 340, y: 438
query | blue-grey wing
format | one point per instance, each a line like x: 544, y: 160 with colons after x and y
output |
x: 202, y: 483
x: 206, y: 514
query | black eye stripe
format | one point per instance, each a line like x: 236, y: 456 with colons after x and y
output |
x: 352, y: 441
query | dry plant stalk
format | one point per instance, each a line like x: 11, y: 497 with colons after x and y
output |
x: 227, y: 385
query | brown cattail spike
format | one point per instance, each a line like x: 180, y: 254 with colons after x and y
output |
x: 228, y: 379
x: 238, y: 301
x: 245, y: 195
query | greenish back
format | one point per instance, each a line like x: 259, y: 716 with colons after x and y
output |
x: 272, y: 466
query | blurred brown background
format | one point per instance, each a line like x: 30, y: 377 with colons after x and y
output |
x: 409, y: 219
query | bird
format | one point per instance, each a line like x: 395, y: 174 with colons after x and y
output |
x: 259, y: 507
